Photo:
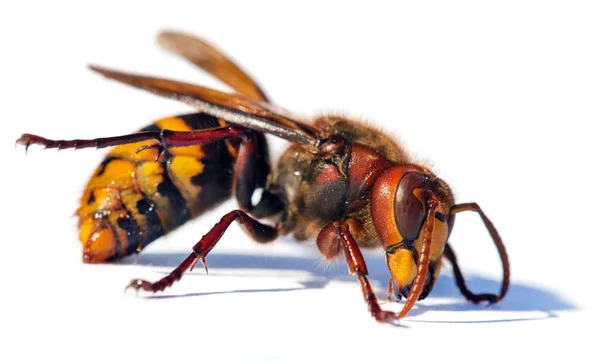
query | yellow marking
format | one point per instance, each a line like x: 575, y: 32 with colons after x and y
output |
x: 232, y: 149
x: 83, y: 203
x: 173, y: 123
x: 86, y: 226
x: 98, y: 241
x: 182, y: 169
x: 117, y: 174
x: 106, y: 199
x: 440, y: 235
x: 98, y: 238
x: 177, y: 124
x: 438, y: 239
x: 149, y: 176
x: 402, y: 266
x: 129, y: 151
x: 102, y: 245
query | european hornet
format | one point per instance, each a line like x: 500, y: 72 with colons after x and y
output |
x: 340, y: 182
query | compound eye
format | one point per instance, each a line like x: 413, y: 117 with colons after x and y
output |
x: 410, y: 209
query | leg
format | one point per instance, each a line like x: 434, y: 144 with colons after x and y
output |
x: 339, y: 233
x: 251, y: 168
x: 165, y: 138
x: 390, y: 291
x: 460, y: 281
x: 259, y: 232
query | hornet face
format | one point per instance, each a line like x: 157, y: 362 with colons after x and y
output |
x: 401, y: 202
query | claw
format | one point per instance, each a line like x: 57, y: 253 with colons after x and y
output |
x: 388, y: 300
x: 204, y: 264
x: 492, y: 301
x: 30, y: 139
x: 385, y: 316
x: 202, y: 260
x: 139, y: 284
x: 24, y: 140
x: 490, y: 298
x: 160, y: 150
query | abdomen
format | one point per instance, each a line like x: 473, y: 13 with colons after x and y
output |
x: 131, y: 200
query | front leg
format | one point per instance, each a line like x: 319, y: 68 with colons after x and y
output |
x: 259, y: 232
x: 338, y: 234
x: 451, y: 256
x: 390, y: 292
x: 460, y: 280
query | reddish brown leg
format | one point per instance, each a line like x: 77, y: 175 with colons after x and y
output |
x: 423, y: 265
x: 390, y: 291
x: 166, y: 139
x: 249, y: 166
x: 261, y: 233
x: 339, y: 232
x: 460, y: 280
x: 451, y: 256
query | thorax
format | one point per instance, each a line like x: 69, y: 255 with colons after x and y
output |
x: 324, y: 187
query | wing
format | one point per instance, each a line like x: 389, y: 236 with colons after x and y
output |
x: 236, y: 109
x: 212, y: 60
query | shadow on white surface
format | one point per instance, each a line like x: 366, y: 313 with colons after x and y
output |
x: 445, y: 297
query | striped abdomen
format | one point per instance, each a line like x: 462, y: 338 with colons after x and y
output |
x: 131, y: 200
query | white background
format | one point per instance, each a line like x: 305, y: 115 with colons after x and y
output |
x: 501, y: 98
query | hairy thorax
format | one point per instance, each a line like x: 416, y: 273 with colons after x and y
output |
x: 335, y: 186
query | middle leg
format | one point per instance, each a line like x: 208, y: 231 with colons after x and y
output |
x: 331, y: 238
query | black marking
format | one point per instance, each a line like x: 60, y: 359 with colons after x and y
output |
x: 144, y: 206
x: 392, y: 248
x: 430, y: 282
x: 105, y: 163
x: 268, y: 205
x: 129, y: 225
x: 263, y: 166
x: 404, y: 291
x: 152, y: 127
x: 216, y: 180
x: 441, y: 216
x: 154, y: 227
x: 415, y: 255
x: 179, y: 212
x: 326, y: 201
x: 92, y: 198
x: 199, y: 121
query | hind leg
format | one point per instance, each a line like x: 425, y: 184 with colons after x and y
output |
x: 259, y: 232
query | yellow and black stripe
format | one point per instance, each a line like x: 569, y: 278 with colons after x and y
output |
x: 131, y: 200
